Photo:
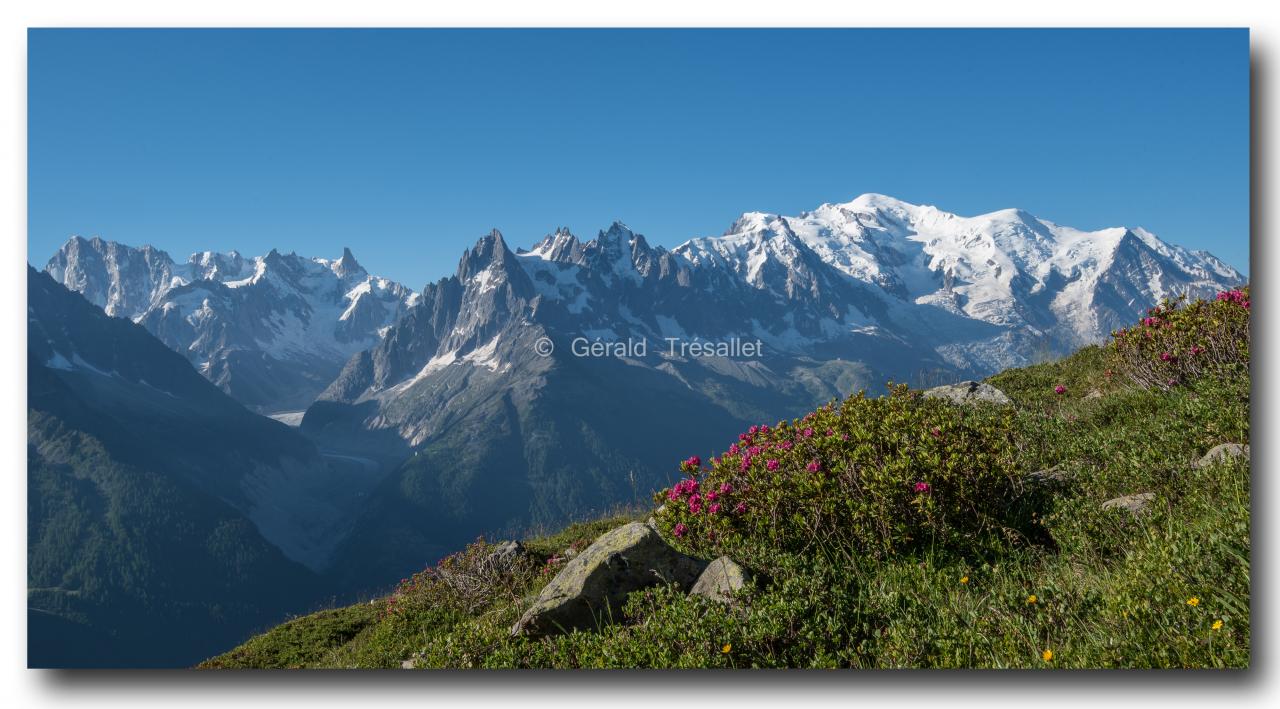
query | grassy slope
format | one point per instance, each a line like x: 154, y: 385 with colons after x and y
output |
x: 1110, y: 589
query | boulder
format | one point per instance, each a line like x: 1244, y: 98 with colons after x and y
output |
x: 1135, y: 504
x: 719, y: 580
x: 1050, y: 476
x: 506, y: 556
x: 591, y: 588
x: 968, y: 393
x: 1222, y: 453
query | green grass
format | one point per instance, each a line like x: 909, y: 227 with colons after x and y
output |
x: 1110, y: 589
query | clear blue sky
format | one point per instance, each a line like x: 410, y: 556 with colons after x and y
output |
x: 407, y: 145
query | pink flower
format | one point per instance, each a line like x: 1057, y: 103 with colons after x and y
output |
x: 711, y: 496
x: 763, y: 429
x: 1059, y: 389
x: 830, y: 432
x: 740, y: 508
x: 725, y: 488
x: 771, y: 465
x: 1166, y: 357
x: 673, y: 495
x: 691, y: 463
x: 922, y: 487
x: 936, y: 432
x: 733, y: 449
x: 785, y: 445
x: 713, y: 508
x: 694, y: 507
x: 680, y: 529
x: 814, y: 466
x: 746, y: 463
x: 807, y: 433
x: 753, y: 430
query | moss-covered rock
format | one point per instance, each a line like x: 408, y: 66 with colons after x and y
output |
x: 592, y: 588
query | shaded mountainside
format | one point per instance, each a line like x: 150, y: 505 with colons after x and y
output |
x: 158, y: 507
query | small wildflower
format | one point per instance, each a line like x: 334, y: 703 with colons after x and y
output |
x: 725, y: 650
x: 1059, y: 390
x: 740, y: 508
x: 1032, y: 599
x: 964, y: 579
x: 713, y: 508
x: 680, y: 529
x: 1217, y: 624
x: 1047, y: 655
x: 1193, y: 601
x: 922, y: 487
x: 814, y: 466
x: 771, y: 464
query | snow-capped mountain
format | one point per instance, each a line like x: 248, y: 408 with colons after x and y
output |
x: 271, y: 331
x: 1038, y: 283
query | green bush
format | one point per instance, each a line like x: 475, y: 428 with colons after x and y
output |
x: 874, y: 476
x: 1178, y: 342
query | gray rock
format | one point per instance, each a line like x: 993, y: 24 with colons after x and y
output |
x: 409, y: 664
x: 1222, y: 453
x: 1093, y: 394
x: 1136, y: 504
x: 720, y: 579
x: 969, y: 392
x: 591, y: 588
x: 569, y: 553
x: 506, y: 556
x: 1050, y: 476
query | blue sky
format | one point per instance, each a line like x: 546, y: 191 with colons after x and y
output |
x: 407, y: 145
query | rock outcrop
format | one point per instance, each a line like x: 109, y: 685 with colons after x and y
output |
x: 720, y: 580
x: 969, y: 392
x: 1136, y: 504
x: 1222, y: 453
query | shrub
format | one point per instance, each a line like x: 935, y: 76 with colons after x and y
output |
x: 873, y: 476
x: 1178, y: 342
x: 466, y: 581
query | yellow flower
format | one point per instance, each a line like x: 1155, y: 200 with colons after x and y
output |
x: 1046, y: 655
x: 964, y: 579
x: 725, y: 650
x: 1032, y: 598
x: 1217, y: 625
x: 1193, y: 601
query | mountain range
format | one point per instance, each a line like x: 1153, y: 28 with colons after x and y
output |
x: 271, y: 331
x: 466, y: 408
